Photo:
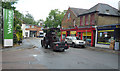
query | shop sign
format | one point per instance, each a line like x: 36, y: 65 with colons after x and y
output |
x: 64, y: 32
x: 88, y: 34
x: 72, y: 32
x: 8, y: 27
x: 106, y: 31
x: 117, y: 26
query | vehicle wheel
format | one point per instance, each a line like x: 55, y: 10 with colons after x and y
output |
x: 46, y: 46
x: 83, y: 46
x: 62, y: 50
x: 65, y: 41
x: 42, y: 45
x: 73, y: 45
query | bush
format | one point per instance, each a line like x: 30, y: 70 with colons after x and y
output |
x: 15, y: 39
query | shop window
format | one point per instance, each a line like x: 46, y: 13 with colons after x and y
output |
x: 73, y: 35
x: 63, y: 36
x: 87, y: 37
x: 105, y: 37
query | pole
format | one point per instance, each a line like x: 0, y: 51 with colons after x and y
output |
x: 86, y: 36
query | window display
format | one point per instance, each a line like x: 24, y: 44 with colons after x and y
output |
x: 105, y: 37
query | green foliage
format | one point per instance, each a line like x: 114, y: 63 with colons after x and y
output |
x: 39, y: 21
x: 8, y: 5
x: 19, y: 35
x: 18, y: 32
x: 15, y: 39
x: 55, y: 18
x: 17, y: 18
x: 29, y: 19
x: 18, y: 28
x: 58, y: 34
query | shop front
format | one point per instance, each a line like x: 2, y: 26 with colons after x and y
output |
x: 85, y: 34
x: 72, y: 33
x: 63, y: 35
x: 106, y: 34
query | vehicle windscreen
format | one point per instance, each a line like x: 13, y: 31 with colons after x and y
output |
x: 74, y: 38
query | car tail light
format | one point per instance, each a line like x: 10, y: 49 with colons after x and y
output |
x: 56, y: 44
x: 65, y: 44
x: 68, y: 46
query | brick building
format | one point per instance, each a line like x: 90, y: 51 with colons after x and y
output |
x: 83, y: 23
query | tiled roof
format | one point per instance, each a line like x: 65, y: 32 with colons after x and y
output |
x: 77, y: 11
x: 103, y: 9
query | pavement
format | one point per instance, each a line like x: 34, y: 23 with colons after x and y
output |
x: 103, y: 49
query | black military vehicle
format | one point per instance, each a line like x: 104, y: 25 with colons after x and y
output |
x: 51, y: 39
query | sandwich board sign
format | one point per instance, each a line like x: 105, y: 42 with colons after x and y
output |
x: 8, y: 27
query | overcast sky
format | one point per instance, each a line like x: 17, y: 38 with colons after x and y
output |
x: 41, y: 8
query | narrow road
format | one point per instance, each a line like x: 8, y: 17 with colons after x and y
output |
x: 32, y: 56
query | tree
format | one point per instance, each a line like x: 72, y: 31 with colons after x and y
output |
x: 29, y: 19
x: 8, y: 5
x: 18, y: 18
x: 39, y: 21
x: 55, y: 18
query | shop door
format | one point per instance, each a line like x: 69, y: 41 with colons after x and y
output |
x: 79, y: 35
x: 87, y: 38
x: 68, y: 33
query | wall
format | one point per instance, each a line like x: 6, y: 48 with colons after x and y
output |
x: 28, y: 33
x: 68, y: 23
x: 23, y: 29
x: 89, y: 18
x: 107, y: 20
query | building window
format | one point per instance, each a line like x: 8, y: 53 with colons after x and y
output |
x: 105, y: 37
x: 27, y: 26
x: 74, y: 22
x: 68, y: 15
x: 81, y: 20
x: 107, y: 12
x: 32, y: 26
x: 92, y: 19
x: 86, y: 20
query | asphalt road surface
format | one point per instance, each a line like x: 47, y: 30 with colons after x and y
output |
x: 30, y: 55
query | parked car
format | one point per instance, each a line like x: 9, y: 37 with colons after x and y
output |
x: 74, y: 41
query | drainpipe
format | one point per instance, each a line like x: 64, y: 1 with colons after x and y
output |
x: 96, y: 35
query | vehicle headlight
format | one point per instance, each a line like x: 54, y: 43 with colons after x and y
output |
x: 77, y: 42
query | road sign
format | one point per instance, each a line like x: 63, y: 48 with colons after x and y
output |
x: 8, y: 27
